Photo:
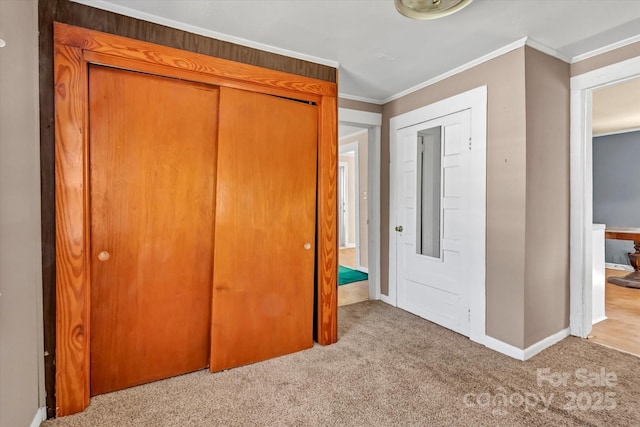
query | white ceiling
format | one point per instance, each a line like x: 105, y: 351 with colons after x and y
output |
x: 380, y: 52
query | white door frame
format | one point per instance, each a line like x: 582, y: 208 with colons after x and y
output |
x: 372, y: 122
x: 343, y: 191
x: 582, y: 86
x: 352, y: 147
x: 476, y: 101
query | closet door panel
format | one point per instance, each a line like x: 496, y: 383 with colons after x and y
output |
x: 152, y: 183
x: 263, y: 284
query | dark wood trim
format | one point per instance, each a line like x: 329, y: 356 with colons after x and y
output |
x: 622, y: 233
x: 91, y: 18
x: 46, y: 16
x: 76, y: 14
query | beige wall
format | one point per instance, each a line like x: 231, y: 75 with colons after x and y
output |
x: 608, y: 58
x: 506, y: 184
x: 359, y: 105
x: 21, y: 342
x: 362, y: 139
x: 546, y: 309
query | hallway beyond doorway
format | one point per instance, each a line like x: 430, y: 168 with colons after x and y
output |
x: 352, y: 292
x: 621, y: 329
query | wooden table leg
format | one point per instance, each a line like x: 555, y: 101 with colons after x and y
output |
x: 633, y: 256
x: 630, y: 280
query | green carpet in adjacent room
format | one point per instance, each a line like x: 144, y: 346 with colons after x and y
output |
x: 348, y: 275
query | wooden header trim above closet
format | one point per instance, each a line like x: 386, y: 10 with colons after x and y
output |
x: 74, y: 49
x: 189, y: 63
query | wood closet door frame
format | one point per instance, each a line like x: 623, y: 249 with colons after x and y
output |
x: 74, y: 49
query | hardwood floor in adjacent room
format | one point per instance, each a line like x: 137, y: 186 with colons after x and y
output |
x: 621, y: 329
x: 352, y: 292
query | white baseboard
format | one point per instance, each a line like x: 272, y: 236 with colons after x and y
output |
x: 614, y: 266
x: 599, y: 319
x: 504, y: 348
x: 508, y: 349
x: 385, y: 298
x: 529, y: 352
x: 41, y: 415
x: 547, y: 342
x: 363, y: 269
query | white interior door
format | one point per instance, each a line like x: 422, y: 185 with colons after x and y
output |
x: 432, y: 167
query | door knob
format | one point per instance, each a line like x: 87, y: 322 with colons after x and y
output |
x: 103, y: 256
x: 307, y: 246
x: 399, y: 228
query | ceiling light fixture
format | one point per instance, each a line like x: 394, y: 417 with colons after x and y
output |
x: 429, y: 9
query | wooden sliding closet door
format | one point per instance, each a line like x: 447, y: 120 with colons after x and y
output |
x: 265, y: 228
x: 152, y: 185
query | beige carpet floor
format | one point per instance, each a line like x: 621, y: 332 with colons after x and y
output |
x: 390, y: 368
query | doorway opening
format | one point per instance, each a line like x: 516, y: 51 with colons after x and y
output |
x: 584, y: 288
x: 616, y: 203
x: 353, y: 215
x: 359, y: 210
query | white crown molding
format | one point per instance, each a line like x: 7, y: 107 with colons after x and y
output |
x: 605, y: 49
x: 360, y: 98
x: 548, y: 50
x: 496, y: 53
x: 123, y: 10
